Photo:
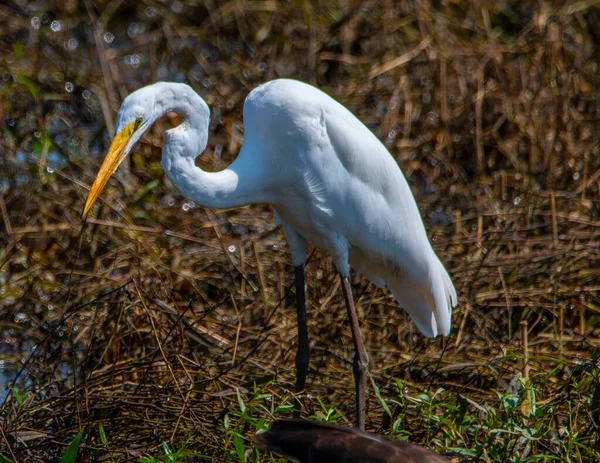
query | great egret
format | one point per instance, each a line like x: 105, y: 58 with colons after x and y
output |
x: 330, y: 182
x: 307, y: 441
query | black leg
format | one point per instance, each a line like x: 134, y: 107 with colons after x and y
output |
x: 361, y: 358
x: 303, y: 352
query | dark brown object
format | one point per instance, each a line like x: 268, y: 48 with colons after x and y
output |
x: 309, y: 441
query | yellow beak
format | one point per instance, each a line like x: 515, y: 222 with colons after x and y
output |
x: 116, y: 154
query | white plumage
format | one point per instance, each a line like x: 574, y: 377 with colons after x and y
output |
x: 337, y: 186
x: 330, y: 181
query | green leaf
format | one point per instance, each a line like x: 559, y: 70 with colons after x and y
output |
x: 46, y: 140
x: 147, y: 188
x: 169, y: 455
x: 103, y: 438
x: 28, y: 84
x: 528, y: 406
x: 70, y: 455
x: 283, y: 409
x: 226, y: 422
x: 380, y: 398
x: 17, y: 396
x: 36, y: 148
x: 18, y: 49
x: 399, y: 385
x: 241, y: 401
x: 240, y: 448
x: 3, y: 459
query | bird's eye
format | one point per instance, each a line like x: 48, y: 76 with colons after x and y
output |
x: 138, y: 122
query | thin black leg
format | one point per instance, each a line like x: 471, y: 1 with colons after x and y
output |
x: 303, y: 352
x: 361, y: 358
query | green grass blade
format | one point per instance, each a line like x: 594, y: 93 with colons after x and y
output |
x: 241, y: 402
x: 240, y: 448
x: 380, y: 398
x: 17, y: 396
x: 70, y: 455
x: 102, y: 434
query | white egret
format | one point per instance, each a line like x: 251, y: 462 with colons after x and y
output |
x: 330, y: 181
x: 307, y: 441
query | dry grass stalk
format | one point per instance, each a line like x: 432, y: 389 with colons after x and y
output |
x: 525, y: 346
x: 261, y: 276
x: 554, y: 221
x: 457, y: 222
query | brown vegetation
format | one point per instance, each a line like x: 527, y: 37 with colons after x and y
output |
x: 158, y: 318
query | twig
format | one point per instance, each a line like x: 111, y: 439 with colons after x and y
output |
x: 343, y: 58
x: 5, y: 217
x: 330, y: 295
x: 479, y: 251
x: 280, y: 281
x: 8, y: 445
x: 108, y: 85
x: 243, y: 270
x: 507, y: 300
x: 582, y: 320
x: 261, y: 275
x: 462, y: 325
x: 401, y: 60
x: 193, y: 330
x: 237, y: 331
x: 554, y: 221
x: 159, y: 343
x: 525, y: 345
x: 479, y: 116
x: 457, y: 222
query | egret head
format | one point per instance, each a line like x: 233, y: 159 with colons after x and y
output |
x: 136, y: 115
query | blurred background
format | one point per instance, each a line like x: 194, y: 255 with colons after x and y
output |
x: 163, y: 327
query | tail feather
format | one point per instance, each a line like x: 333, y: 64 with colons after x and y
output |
x: 429, y: 303
x: 413, y: 300
x: 428, y: 298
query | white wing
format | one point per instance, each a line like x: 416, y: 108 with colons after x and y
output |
x: 341, y: 189
x: 389, y: 232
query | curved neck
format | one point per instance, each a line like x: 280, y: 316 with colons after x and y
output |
x: 239, y: 184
